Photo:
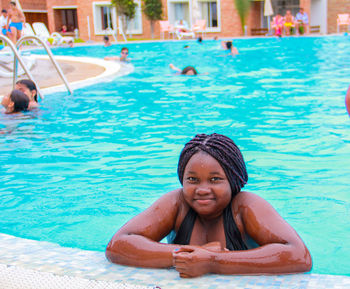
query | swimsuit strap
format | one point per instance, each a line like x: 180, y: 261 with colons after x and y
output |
x: 183, y: 236
x: 233, y: 236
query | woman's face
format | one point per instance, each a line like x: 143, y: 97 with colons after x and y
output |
x: 205, y: 186
x: 26, y: 91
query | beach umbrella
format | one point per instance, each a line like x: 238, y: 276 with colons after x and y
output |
x: 268, y: 11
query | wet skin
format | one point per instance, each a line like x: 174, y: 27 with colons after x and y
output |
x: 207, y: 190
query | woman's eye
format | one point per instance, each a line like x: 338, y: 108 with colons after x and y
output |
x: 192, y: 179
x: 215, y: 179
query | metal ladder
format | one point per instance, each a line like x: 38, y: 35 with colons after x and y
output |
x: 18, y: 57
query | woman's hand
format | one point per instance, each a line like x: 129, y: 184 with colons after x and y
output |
x: 194, y: 261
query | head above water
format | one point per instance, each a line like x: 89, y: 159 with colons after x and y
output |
x: 224, y: 150
x: 20, y: 101
x: 30, y: 85
x: 189, y: 70
x: 13, y: 3
x: 105, y: 38
x: 228, y: 44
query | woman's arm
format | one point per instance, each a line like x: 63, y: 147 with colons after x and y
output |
x: 347, y: 100
x: 173, y: 67
x: 137, y: 242
x: 281, y: 249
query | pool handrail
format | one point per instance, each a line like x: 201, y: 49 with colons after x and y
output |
x: 18, y: 57
x: 48, y: 51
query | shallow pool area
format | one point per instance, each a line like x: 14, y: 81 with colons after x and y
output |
x: 80, y: 167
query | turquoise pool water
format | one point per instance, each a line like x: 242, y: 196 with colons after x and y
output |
x: 83, y: 165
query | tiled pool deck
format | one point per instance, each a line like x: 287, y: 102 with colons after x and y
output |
x: 47, y: 261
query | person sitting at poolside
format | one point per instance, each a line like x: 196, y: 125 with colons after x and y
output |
x: 347, y: 101
x: 123, y: 56
x: 28, y: 87
x: 182, y: 26
x: 15, y: 22
x: 288, y: 23
x: 106, y: 41
x: 17, y: 101
x: 302, y: 22
x: 218, y: 228
x: 228, y: 45
x: 188, y: 70
x: 63, y: 29
x: 277, y: 25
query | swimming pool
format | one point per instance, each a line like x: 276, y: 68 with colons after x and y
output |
x: 77, y: 170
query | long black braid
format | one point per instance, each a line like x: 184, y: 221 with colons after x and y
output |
x: 226, y: 152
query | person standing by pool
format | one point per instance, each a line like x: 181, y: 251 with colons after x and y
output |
x: 218, y: 228
x: 302, y: 21
x: 3, y: 22
x: 15, y: 22
x: 123, y: 56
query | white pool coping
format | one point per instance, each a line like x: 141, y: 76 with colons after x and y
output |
x: 28, y: 262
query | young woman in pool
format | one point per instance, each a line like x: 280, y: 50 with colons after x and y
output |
x: 17, y: 101
x: 188, y: 70
x: 219, y: 228
x: 28, y: 87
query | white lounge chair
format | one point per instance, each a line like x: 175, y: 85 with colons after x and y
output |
x: 6, y: 63
x: 181, y: 34
x: 42, y: 32
x: 28, y: 31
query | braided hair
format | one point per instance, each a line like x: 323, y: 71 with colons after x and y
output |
x: 226, y: 152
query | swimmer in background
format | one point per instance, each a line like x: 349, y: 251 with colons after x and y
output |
x: 188, y: 70
x: 228, y: 45
x: 28, y: 87
x: 17, y: 18
x: 16, y: 102
x: 106, y: 41
x: 212, y: 226
x: 123, y: 56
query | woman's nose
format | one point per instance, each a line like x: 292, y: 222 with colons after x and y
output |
x: 203, y: 189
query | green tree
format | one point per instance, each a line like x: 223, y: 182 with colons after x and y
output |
x: 126, y: 10
x: 153, y: 10
x: 242, y: 7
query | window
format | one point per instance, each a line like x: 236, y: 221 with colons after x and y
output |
x: 209, y: 13
x: 179, y: 10
x: 135, y: 24
x: 195, y: 9
x: 104, y: 17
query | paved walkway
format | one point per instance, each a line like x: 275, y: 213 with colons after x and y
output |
x: 46, y: 75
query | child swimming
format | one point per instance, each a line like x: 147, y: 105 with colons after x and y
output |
x: 214, y: 227
x: 16, y: 102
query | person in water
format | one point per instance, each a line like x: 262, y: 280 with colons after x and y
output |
x: 188, y: 70
x: 16, y: 102
x: 122, y: 58
x: 218, y: 228
x: 28, y: 87
x: 228, y: 45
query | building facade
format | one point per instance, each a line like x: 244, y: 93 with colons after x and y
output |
x: 96, y: 18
